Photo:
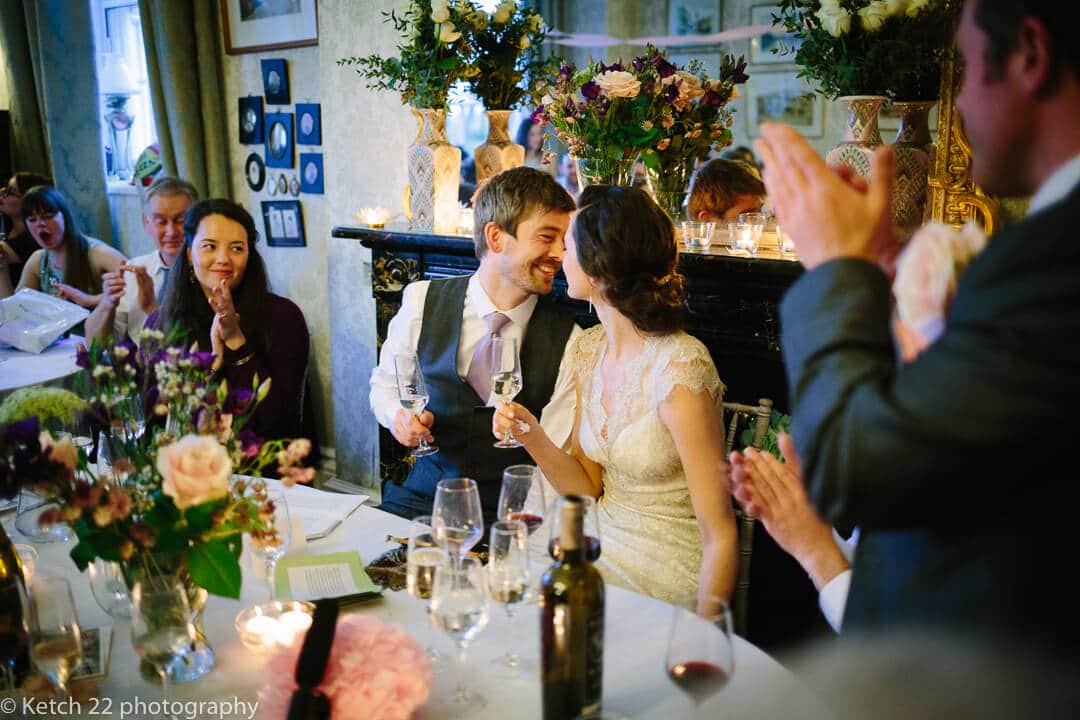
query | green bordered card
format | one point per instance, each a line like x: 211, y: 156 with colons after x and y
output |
x: 334, y: 575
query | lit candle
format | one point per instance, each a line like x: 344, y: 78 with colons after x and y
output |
x: 264, y: 628
x: 291, y: 625
x: 375, y: 217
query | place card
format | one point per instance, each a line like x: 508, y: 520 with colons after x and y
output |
x: 333, y: 575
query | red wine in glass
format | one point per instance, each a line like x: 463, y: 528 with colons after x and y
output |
x: 592, y: 548
x: 698, y: 679
x: 532, y: 521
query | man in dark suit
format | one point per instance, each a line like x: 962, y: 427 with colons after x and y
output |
x: 521, y: 218
x: 956, y: 466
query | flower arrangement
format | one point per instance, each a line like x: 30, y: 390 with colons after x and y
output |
x: 375, y: 671
x: 169, y: 504
x: 432, y: 56
x: 872, y: 47
x: 504, y: 48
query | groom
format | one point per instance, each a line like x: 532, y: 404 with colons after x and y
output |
x: 521, y: 219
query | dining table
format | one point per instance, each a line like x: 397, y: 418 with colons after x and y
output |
x: 636, y: 628
x: 19, y: 368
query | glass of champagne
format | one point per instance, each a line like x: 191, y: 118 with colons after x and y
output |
x: 424, y: 557
x: 456, y: 516
x: 459, y: 608
x: 161, y: 627
x: 506, y: 380
x: 700, y: 656
x: 272, y: 544
x: 413, y: 393
x: 592, y: 530
x: 508, y: 580
x: 55, y: 640
x: 522, y: 496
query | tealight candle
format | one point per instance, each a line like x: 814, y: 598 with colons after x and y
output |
x: 375, y: 217
x: 282, y: 623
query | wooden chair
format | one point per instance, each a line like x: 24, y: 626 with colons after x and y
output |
x: 740, y: 415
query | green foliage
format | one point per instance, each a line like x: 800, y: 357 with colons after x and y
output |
x: 778, y: 423
x: 214, y: 565
x: 872, y: 47
x: 504, y: 49
x: 47, y: 403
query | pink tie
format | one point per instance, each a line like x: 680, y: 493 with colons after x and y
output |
x: 480, y: 369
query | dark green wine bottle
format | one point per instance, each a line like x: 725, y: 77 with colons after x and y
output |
x: 572, y: 623
x: 14, y: 641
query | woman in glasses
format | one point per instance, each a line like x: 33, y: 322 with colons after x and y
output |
x: 16, y: 245
x: 67, y: 264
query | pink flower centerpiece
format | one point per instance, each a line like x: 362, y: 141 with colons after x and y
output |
x: 375, y: 672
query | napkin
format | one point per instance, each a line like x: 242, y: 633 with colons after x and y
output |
x: 318, y: 512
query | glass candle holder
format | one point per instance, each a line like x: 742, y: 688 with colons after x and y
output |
x: 273, y: 624
x: 697, y: 235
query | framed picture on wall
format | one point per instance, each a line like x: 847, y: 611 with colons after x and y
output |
x: 311, y: 173
x: 275, y: 81
x: 283, y: 223
x: 308, y: 124
x: 762, y: 46
x: 782, y: 97
x: 693, y: 17
x: 258, y: 25
x: 251, y: 120
x: 279, y: 140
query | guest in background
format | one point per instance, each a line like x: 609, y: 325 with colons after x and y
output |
x: 217, y: 293
x: 648, y: 440
x: 742, y: 153
x: 531, y: 137
x: 16, y: 244
x: 521, y: 216
x: 568, y: 176
x: 919, y: 456
x: 722, y: 189
x: 67, y: 263
x: 131, y: 293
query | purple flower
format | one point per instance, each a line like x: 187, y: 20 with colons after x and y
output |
x: 663, y: 67
x: 739, y: 75
x: 249, y: 442
x: 538, y: 115
x: 202, y: 360
x: 639, y: 63
x: 567, y: 71
x: 23, y: 432
x: 590, y: 90
x: 82, y: 357
x: 238, y: 400
x: 671, y: 92
x: 617, y: 67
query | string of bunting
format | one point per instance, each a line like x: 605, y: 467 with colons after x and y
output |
x: 593, y: 40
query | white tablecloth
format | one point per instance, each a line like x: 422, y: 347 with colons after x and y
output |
x: 20, y: 369
x: 635, y: 682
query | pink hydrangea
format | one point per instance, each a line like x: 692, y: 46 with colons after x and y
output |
x: 376, y: 672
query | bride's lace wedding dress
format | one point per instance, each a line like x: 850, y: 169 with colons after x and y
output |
x: 649, y: 533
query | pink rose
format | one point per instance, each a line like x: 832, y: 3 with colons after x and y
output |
x: 195, y: 469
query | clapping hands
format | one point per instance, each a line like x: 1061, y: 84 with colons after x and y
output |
x: 225, y: 330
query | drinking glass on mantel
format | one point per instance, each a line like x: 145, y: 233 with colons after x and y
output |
x: 700, y: 656
x: 413, y: 393
x: 506, y: 380
x: 55, y: 638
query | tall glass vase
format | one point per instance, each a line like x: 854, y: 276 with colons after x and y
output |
x: 498, y: 152
x: 861, y: 135
x: 604, y: 171
x: 670, y: 184
x: 434, y: 175
x: 914, y: 148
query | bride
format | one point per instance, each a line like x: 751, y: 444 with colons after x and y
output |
x: 647, y: 439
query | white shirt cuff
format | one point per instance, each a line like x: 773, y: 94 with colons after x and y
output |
x: 833, y: 599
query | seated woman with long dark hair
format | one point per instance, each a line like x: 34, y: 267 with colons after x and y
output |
x: 16, y: 243
x: 68, y: 264
x: 217, y: 292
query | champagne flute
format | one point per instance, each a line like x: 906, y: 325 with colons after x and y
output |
x: 273, y: 543
x: 459, y: 608
x: 456, y: 516
x: 55, y: 640
x: 506, y: 380
x: 522, y: 496
x: 161, y: 627
x: 591, y: 528
x: 413, y: 393
x: 700, y: 657
x: 508, y: 580
x: 424, y: 557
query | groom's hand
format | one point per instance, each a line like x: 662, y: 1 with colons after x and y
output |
x: 408, y: 428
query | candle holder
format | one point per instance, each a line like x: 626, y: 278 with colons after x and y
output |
x: 374, y: 218
x: 273, y: 624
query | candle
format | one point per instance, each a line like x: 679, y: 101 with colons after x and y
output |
x: 375, y: 217
x: 265, y: 627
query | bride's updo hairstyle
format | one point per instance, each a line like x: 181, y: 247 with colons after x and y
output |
x: 626, y: 240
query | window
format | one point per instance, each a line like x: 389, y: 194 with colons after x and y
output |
x: 127, y: 119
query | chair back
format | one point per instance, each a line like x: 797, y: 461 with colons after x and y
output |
x: 740, y: 416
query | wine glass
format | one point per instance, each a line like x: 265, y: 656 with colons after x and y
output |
x: 424, y: 557
x: 591, y: 528
x: 456, y: 516
x: 161, y: 626
x: 506, y: 381
x: 700, y: 656
x: 129, y: 411
x: 508, y: 579
x: 522, y: 496
x: 109, y: 588
x: 273, y: 543
x: 459, y: 608
x: 413, y: 393
x: 55, y: 640
x: 112, y: 446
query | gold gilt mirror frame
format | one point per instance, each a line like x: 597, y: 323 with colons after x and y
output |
x: 954, y: 197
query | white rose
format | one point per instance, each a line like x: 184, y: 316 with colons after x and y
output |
x: 916, y: 6
x: 689, y: 85
x: 503, y: 13
x: 440, y: 14
x: 525, y: 42
x: 874, y: 15
x: 834, y: 19
x: 448, y: 33
x: 194, y: 470
x: 618, y: 83
x: 896, y: 7
x: 536, y: 22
